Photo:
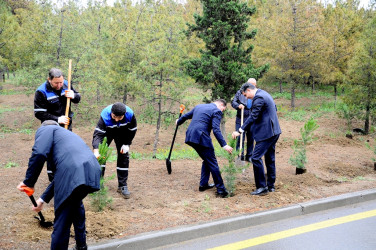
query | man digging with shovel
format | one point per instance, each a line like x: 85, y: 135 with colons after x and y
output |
x: 77, y: 174
x: 118, y: 123
x: 207, y: 117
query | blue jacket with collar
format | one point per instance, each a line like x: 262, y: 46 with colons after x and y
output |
x: 75, y: 164
x: 238, y: 99
x: 263, y: 120
x: 205, y: 118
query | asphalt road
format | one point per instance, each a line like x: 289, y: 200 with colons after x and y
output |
x: 348, y: 227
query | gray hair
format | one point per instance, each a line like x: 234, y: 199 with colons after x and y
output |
x: 49, y: 122
x: 54, y: 73
x: 252, y: 81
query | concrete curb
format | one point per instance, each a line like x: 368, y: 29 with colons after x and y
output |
x: 184, y: 233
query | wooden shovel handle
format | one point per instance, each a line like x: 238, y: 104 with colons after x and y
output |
x: 69, y: 87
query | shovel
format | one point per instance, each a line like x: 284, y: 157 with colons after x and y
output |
x: 69, y: 87
x: 238, y: 161
x: 42, y: 221
x: 168, y: 162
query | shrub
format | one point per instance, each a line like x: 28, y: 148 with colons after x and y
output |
x: 299, y: 158
x: 231, y: 170
x: 101, y: 199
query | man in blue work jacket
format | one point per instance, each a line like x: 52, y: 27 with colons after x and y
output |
x: 207, y: 117
x: 77, y: 173
x: 117, y: 122
x: 264, y: 125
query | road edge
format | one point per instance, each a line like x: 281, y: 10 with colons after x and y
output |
x: 189, y: 232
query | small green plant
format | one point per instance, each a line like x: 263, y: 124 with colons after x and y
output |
x: 11, y: 164
x: 104, y: 151
x: 299, y: 157
x: 205, y: 204
x: 373, y: 149
x: 348, y: 113
x: 232, y: 169
x: 101, y: 199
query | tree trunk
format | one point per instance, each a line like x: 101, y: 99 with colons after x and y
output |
x: 368, y: 111
x: 125, y: 93
x: 280, y: 87
x: 293, y: 98
x: 2, y: 75
x: 7, y: 70
x: 60, y: 38
x: 98, y: 94
x: 223, y: 126
x: 156, y: 138
x: 335, y: 95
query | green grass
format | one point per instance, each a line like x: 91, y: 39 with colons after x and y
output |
x: 11, y: 164
x: 179, y: 152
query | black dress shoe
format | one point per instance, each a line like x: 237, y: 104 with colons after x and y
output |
x: 260, y: 191
x: 223, y: 194
x: 203, y: 188
x: 271, y: 189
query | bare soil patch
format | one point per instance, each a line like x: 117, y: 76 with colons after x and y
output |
x: 336, y: 165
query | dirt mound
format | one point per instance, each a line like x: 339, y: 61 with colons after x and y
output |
x: 335, y: 165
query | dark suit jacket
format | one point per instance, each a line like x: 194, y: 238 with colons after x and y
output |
x: 263, y: 119
x: 238, y: 99
x: 75, y: 164
x: 205, y: 117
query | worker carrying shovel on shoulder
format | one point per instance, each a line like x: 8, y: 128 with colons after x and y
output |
x: 117, y: 122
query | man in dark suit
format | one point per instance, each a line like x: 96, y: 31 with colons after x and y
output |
x: 266, y: 130
x: 77, y: 173
x: 242, y: 103
x: 207, y: 117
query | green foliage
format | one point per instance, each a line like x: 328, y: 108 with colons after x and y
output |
x: 104, y: 151
x: 361, y: 88
x: 205, y: 206
x: 348, y: 112
x: 373, y: 149
x: 225, y: 62
x: 231, y: 170
x: 299, y: 158
x: 11, y: 164
x: 100, y: 199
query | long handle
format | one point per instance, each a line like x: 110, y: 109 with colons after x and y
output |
x: 182, y: 107
x: 69, y: 87
x: 35, y: 205
x: 241, y: 135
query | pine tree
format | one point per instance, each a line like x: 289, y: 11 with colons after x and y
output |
x: 362, y: 85
x: 225, y: 63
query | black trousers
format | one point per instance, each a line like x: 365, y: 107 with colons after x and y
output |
x: 71, y: 211
x: 122, y: 162
x: 209, y: 166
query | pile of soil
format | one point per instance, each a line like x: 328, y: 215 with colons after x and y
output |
x: 336, y: 165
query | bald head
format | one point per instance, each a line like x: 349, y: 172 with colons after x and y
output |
x: 252, y: 81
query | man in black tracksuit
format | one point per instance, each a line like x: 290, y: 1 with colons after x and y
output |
x: 50, y: 102
x: 118, y: 123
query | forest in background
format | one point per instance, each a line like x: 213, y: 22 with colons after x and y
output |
x: 157, y: 53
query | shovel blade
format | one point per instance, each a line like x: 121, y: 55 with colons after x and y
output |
x: 43, y: 223
x: 168, y: 165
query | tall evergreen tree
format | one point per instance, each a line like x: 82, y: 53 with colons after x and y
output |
x: 225, y: 62
x: 362, y: 74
